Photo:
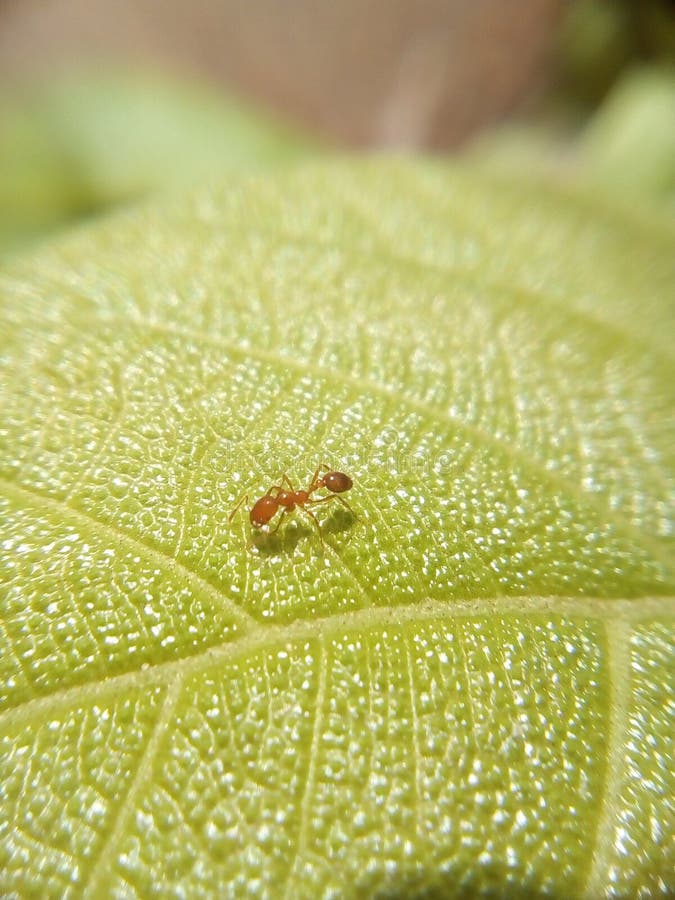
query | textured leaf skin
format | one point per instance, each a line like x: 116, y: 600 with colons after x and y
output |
x: 470, y: 692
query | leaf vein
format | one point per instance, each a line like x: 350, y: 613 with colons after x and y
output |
x: 107, y: 857
x: 301, y: 843
x: 197, y: 581
x: 618, y: 656
x: 417, y: 758
x: 560, y: 304
x: 269, y: 636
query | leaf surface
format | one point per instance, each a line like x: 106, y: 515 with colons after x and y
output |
x: 470, y: 691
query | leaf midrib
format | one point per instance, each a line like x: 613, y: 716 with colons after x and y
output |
x: 617, y: 634
x: 617, y: 616
x: 270, y: 636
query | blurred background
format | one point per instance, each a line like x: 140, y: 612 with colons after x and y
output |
x: 104, y: 103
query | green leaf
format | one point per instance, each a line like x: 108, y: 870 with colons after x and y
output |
x: 470, y: 691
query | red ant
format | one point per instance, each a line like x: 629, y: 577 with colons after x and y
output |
x: 264, y: 509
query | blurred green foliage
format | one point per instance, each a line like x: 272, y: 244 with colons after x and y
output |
x: 608, y: 121
x: 600, y: 39
x: 630, y: 144
x: 91, y: 141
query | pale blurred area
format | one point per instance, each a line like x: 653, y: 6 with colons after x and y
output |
x: 103, y: 103
x: 411, y: 73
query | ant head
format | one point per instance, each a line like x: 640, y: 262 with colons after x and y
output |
x: 337, y: 482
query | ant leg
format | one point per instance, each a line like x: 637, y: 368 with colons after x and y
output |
x: 346, y: 505
x: 281, y: 519
x: 231, y: 516
x: 313, y: 485
x: 334, y: 497
x: 316, y: 522
x: 280, y: 487
x: 316, y: 474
